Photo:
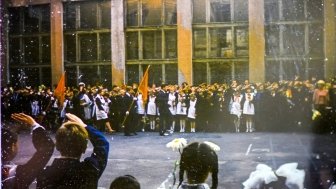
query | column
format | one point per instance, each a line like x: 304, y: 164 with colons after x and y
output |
x: 256, y: 41
x: 56, y: 40
x: 118, y: 42
x: 329, y: 39
x: 184, y: 41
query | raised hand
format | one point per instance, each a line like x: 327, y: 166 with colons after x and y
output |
x: 23, y: 118
x: 74, y: 118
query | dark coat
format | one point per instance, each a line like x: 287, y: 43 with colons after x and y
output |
x: 26, y: 173
x: 71, y: 173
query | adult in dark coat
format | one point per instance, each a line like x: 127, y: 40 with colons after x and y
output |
x: 127, y: 112
x: 68, y: 171
x: 21, y: 176
x: 163, y: 106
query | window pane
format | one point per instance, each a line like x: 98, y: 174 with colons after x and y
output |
x: 46, y: 76
x: 242, y: 42
x: 220, y: 11
x: 105, y: 46
x: 221, y: 42
x: 316, y: 40
x: 199, y: 73
x: 293, y: 68
x: 152, y: 45
x: 171, y: 74
x: 132, y: 45
x: 106, y: 76
x: 69, y: 16
x: 31, y: 50
x: 132, y: 74
x: 88, y: 47
x: 89, y: 75
x: 45, y: 18
x: 316, y: 69
x: 88, y: 15
x: 14, y: 20
x: 151, y: 12
x: 70, y: 48
x: 199, y: 11
x: 15, y: 52
x: 132, y: 13
x: 272, y: 70
x: 271, y: 10
x: 171, y: 44
x: 170, y: 12
x: 293, y: 40
x: 315, y: 9
x: 45, y: 50
x: 241, y: 70
x: 71, y: 75
x: 25, y: 76
x: 220, y: 72
x: 200, y: 43
x: 105, y: 8
x: 31, y: 19
x: 154, y: 74
x: 293, y: 10
x: 241, y: 10
x: 272, y: 40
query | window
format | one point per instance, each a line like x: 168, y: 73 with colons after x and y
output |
x: 132, y: 13
x: 220, y: 72
x: 293, y: 40
x: 171, y: 74
x: 241, y: 41
x: 151, y: 37
x: 132, y: 45
x: 199, y: 11
x: 272, y: 70
x: 221, y: 42
x: 87, y: 41
x: 151, y: 12
x: 220, y: 11
x: 170, y: 12
x: 88, y: 15
x: 200, y: 43
x: 271, y: 10
x: 88, y: 47
x: 70, y: 48
x: 240, y: 10
x: 29, y: 44
x: 316, y: 39
x: 199, y: 73
x: 293, y: 10
x: 152, y: 47
x: 171, y: 44
x: 272, y: 41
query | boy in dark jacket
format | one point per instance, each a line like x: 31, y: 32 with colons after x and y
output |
x: 21, y: 176
x: 68, y: 171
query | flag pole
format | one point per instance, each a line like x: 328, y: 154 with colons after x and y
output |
x: 129, y: 108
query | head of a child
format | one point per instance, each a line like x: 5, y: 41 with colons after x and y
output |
x: 9, y: 144
x: 71, y: 140
x: 125, y: 182
x: 198, y: 160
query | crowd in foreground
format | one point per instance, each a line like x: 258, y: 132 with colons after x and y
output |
x: 228, y: 107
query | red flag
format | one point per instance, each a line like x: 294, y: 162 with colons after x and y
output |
x: 143, y: 87
x: 60, y: 89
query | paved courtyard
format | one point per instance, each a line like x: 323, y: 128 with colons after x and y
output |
x: 146, y: 157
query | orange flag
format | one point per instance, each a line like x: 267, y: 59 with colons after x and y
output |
x: 143, y: 87
x: 60, y: 89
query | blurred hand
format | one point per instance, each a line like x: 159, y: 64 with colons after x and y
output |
x: 74, y: 118
x: 23, y: 118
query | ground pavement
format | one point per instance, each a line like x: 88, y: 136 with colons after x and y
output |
x: 146, y: 157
